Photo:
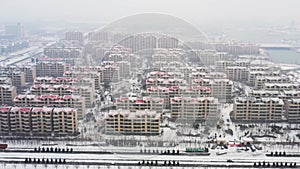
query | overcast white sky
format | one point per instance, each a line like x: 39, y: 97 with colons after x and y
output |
x: 108, y: 10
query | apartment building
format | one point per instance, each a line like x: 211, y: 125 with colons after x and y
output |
x: 80, y: 81
x: 17, y: 78
x: 222, y: 65
x: 237, y: 73
x: 251, y: 109
x: 53, y: 69
x: 30, y: 72
x: 72, y: 101
x: 261, y: 80
x: 293, y: 110
x: 167, y: 93
x: 220, y: 88
x: 61, y: 90
x: 37, y: 121
x: 281, y: 86
x: 259, y: 71
x: 5, y: 80
x: 95, y: 76
x: 135, y: 103
x: 193, y: 109
x: 74, y: 36
x: 164, y: 82
x: 165, y: 75
x: 7, y: 94
x: 125, y: 122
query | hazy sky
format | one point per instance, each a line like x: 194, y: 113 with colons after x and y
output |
x: 192, y: 10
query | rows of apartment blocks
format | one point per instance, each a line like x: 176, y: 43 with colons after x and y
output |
x: 220, y: 86
x: 49, y: 100
x: 168, y: 89
x: 26, y: 74
x: 76, y: 93
x: 13, y: 76
x: 157, y: 104
x: 273, y: 93
x: 267, y: 109
x: 130, y: 113
x: 109, y: 71
x: 231, y: 47
x: 37, y: 121
x: 255, y: 75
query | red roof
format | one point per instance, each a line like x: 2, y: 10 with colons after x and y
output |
x: 4, y: 109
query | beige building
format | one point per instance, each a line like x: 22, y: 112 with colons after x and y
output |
x: 250, y: 109
x: 195, y: 109
x: 72, y: 101
x: 261, y: 80
x: 220, y: 88
x: 164, y: 82
x: 237, y: 73
x: 281, y: 86
x: 17, y: 78
x: 259, y: 71
x: 54, y: 69
x: 86, y: 74
x: 38, y: 121
x: 181, y: 91
x: 30, y: 72
x: 80, y: 81
x: 293, y: 110
x: 7, y: 94
x: 61, y: 90
x: 135, y: 103
x: 124, y: 122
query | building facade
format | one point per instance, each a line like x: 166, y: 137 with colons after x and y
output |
x: 125, y: 122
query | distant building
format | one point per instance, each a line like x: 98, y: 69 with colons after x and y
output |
x: 55, y: 69
x: 125, y: 122
x: 14, y: 31
x: 74, y: 36
x: 30, y: 72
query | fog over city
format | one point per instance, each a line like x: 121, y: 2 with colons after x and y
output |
x: 131, y: 84
x: 203, y: 11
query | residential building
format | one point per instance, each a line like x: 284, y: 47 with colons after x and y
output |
x: 250, y: 109
x: 125, y: 122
